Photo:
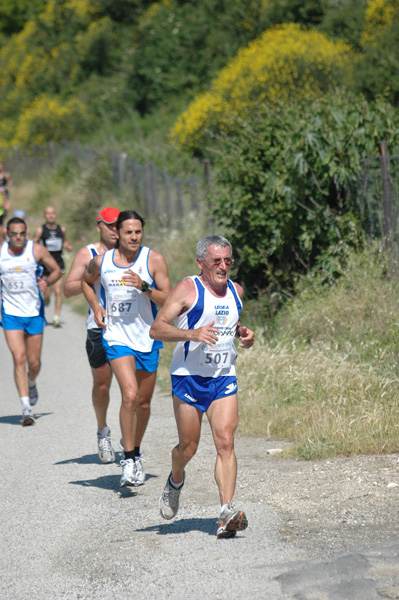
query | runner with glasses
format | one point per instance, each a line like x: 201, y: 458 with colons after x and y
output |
x: 22, y: 308
x: 206, y: 311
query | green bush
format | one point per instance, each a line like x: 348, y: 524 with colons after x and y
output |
x: 284, y: 179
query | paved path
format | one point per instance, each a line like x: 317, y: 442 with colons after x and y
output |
x: 68, y: 532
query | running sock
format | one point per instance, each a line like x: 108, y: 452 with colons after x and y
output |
x: 25, y: 402
x: 222, y: 508
x: 137, y: 451
x: 30, y: 382
x: 174, y: 485
x: 129, y: 454
x: 104, y: 432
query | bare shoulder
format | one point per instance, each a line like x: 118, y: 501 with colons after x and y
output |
x: 239, y: 289
x: 37, y: 248
x: 156, y: 259
x: 185, y: 290
x: 83, y: 256
x: 38, y: 232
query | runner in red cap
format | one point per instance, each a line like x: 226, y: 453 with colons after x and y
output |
x: 102, y: 374
x: 108, y: 215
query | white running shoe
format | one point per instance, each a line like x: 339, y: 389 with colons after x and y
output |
x: 140, y: 473
x: 33, y: 394
x: 129, y: 472
x: 28, y: 418
x: 169, y: 500
x: 106, y: 452
x: 231, y: 521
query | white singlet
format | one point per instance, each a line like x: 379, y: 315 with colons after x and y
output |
x: 20, y: 294
x: 130, y: 313
x: 197, y: 358
x: 90, y: 322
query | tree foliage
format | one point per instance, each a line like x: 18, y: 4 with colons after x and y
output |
x: 179, y: 44
x: 284, y: 62
x: 284, y: 178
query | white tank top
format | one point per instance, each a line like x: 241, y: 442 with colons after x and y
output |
x: 20, y: 294
x: 196, y: 358
x: 130, y: 313
x: 90, y: 322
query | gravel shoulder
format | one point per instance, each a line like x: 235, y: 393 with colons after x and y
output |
x: 317, y: 530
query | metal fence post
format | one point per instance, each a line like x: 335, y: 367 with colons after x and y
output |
x: 387, y: 195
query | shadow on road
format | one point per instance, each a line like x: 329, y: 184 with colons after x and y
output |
x: 88, y: 459
x: 17, y: 419
x: 183, y: 526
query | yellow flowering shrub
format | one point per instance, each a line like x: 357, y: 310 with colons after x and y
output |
x: 379, y: 14
x: 49, y: 119
x: 284, y: 61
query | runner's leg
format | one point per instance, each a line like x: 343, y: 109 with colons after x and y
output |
x: 146, y: 383
x: 188, y: 421
x: 102, y: 377
x: 223, y: 419
x: 15, y: 339
x: 124, y: 369
x: 33, y: 353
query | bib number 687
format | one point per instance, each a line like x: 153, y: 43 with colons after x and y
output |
x: 121, y: 307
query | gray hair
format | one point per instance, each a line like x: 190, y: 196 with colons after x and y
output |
x: 209, y: 240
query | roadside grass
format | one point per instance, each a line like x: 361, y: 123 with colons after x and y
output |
x: 326, y: 380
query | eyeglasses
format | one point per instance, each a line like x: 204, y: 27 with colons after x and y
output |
x: 216, y: 262
x: 15, y: 233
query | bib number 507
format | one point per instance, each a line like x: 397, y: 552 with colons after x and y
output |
x: 216, y: 358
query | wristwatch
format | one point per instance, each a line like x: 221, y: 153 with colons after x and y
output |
x: 146, y: 287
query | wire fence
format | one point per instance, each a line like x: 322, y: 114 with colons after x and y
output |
x: 154, y: 191
x: 157, y: 194
x: 377, y: 197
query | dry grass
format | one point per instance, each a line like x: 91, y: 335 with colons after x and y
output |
x: 318, y: 399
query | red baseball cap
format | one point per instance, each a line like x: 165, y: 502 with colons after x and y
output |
x: 108, y: 215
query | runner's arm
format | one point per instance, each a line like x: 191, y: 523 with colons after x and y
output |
x: 65, y: 243
x: 44, y: 257
x: 179, y: 300
x: 38, y: 234
x: 246, y: 335
x: 159, y: 272
x: 73, y: 282
x: 91, y: 275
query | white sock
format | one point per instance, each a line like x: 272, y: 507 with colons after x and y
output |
x: 104, y: 432
x: 225, y: 506
x: 25, y: 402
x: 177, y: 486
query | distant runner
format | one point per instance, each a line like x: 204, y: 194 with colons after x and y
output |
x: 5, y: 183
x: 53, y: 237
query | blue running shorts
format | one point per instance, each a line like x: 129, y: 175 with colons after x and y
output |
x: 30, y: 325
x: 202, y: 391
x: 145, y: 361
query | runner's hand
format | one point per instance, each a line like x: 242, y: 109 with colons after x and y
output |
x: 100, y: 317
x: 247, y: 337
x: 206, y: 334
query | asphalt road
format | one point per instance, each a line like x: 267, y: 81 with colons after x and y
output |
x: 68, y: 532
